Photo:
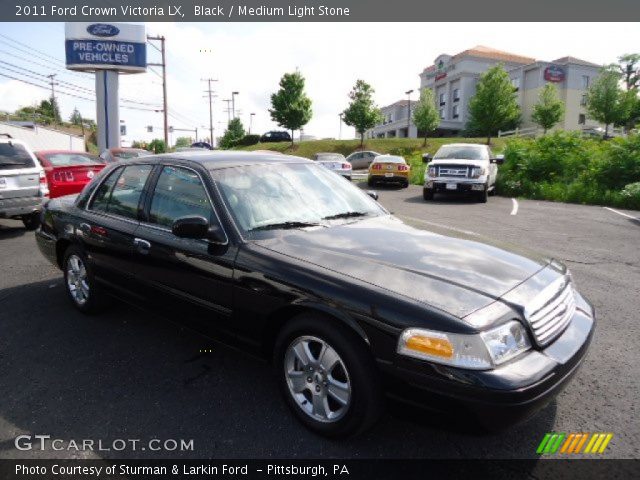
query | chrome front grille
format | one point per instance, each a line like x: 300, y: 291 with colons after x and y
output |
x: 453, y: 171
x: 550, y: 312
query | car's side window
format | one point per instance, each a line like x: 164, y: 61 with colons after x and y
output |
x: 126, y: 193
x: 179, y: 192
x: 103, y: 193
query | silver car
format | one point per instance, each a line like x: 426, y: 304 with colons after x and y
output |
x: 23, y: 183
x: 362, y: 160
x: 335, y: 162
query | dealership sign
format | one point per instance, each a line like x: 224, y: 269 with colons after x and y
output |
x: 554, y: 73
x: 105, y: 46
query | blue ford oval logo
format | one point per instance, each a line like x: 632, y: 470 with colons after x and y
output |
x: 103, y: 30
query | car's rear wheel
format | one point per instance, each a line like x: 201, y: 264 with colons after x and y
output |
x: 31, y: 221
x: 427, y: 194
x: 405, y: 184
x: 371, y: 183
x: 327, y: 376
x: 79, y: 282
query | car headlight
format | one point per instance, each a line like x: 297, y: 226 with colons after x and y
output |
x: 431, y: 171
x: 481, y: 351
x: 477, y: 172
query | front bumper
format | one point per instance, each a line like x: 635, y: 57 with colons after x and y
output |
x: 464, y: 185
x: 503, y: 396
x: 16, y: 207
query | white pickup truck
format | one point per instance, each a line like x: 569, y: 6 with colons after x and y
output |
x: 461, y: 167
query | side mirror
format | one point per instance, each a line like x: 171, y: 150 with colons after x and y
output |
x: 197, y: 227
x: 426, y: 158
x: 499, y: 160
x: 372, y: 194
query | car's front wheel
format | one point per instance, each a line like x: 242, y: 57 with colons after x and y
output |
x: 427, y: 194
x: 31, y: 221
x: 81, y: 287
x: 327, y: 376
x: 483, y: 196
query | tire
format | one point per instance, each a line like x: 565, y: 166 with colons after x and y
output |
x: 82, y: 290
x: 483, y: 196
x: 405, y: 185
x: 31, y: 221
x: 371, y: 183
x: 307, y: 378
x: 427, y: 194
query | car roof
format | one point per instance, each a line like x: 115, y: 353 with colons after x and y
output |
x: 49, y: 152
x: 213, y: 160
x: 478, y: 145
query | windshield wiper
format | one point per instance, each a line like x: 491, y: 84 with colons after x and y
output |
x: 345, y: 215
x: 285, y: 226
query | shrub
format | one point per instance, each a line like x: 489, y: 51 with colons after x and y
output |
x: 247, y: 140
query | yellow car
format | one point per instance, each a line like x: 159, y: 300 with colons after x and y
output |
x: 389, y: 169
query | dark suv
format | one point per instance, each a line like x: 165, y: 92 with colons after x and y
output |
x: 275, y: 136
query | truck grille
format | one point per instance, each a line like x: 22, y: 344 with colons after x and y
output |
x: 455, y: 171
x: 551, y: 311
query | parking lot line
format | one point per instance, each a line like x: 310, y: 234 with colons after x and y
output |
x: 514, y: 210
x: 621, y: 213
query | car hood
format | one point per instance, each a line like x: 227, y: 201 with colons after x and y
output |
x: 475, y: 163
x: 456, y: 272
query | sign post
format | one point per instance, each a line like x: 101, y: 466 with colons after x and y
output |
x: 107, y: 50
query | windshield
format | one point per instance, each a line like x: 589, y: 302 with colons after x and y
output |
x: 334, y: 157
x: 14, y: 156
x: 388, y: 159
x: 69, y: 159
x: 293, y: 195
x: 451, y: 152
x: 131, y: 154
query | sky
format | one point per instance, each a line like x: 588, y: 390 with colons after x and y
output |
x: 250, y: 58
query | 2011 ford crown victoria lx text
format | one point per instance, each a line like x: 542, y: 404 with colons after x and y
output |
x: 288, y: 260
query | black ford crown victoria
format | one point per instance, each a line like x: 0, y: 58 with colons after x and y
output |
x: 288, y: 260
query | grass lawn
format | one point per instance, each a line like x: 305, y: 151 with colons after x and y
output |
x: 410, y: 148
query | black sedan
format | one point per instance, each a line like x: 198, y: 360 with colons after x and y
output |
x: 283, y: 258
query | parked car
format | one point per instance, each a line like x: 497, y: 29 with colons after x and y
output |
x: 275, y: 136
x: 461, y: 167
x: 23, y: 183
x: 202, y: 145
x: 389, y: 169
x: 118, y: 154
x: 68, y: 171
x: 283, y: 258
x: 360, y: 160
x: 335, y: 162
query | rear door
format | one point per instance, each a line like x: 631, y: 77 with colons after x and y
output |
x: 110, y: 223
x: 19, y: 172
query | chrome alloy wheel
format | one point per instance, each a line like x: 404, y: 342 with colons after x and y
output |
x: 77, y: 282
x: 317, y: 378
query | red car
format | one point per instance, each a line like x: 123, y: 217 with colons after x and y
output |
x: 68, y: 171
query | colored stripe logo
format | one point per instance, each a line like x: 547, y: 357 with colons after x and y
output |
x: 593, y: 443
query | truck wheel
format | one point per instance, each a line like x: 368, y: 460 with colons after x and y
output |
x: 427, y: 194
x: 31, y: 221
x: 79, y: 282
x: 327, y: 376
x: 484, y: 196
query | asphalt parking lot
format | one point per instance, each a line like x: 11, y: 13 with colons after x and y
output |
x: 130, y: 374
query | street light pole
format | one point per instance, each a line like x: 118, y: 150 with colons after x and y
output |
x: 340, y: 131
x: 408, y: 92
x: 250, y: 121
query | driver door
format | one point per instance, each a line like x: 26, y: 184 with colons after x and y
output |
x: 191, y: 278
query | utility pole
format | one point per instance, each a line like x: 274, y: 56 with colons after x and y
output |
x: 408, y: 92
x: 228, y: 100
x: 165, y: 108
x: 53, y: 94
x: 233, y: 103
x: 211, y: 96
x: 340, y: 132
x: 251, y: 115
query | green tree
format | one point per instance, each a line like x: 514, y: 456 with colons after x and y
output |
x: 607, y: 103
x: 425, y: 114
x: 549, y: 110
x: 494, y: 106
x: 290, y: 106
x: 157, y: 146
x: 629, y: 67
x: 233, y: 133
x: 76, y: 117
x: 49, y: 110
x: 362, y: 112
x: 183, y: 142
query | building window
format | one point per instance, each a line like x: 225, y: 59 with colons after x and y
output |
x: 456, y: 94
x: 442, y: 102
x: 455, y: 111
x: 442, y: 114
x: 585, y: 82
x: 583, y: 100
x: 582, y: 119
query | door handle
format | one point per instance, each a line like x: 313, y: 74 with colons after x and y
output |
x: 142, y: 245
